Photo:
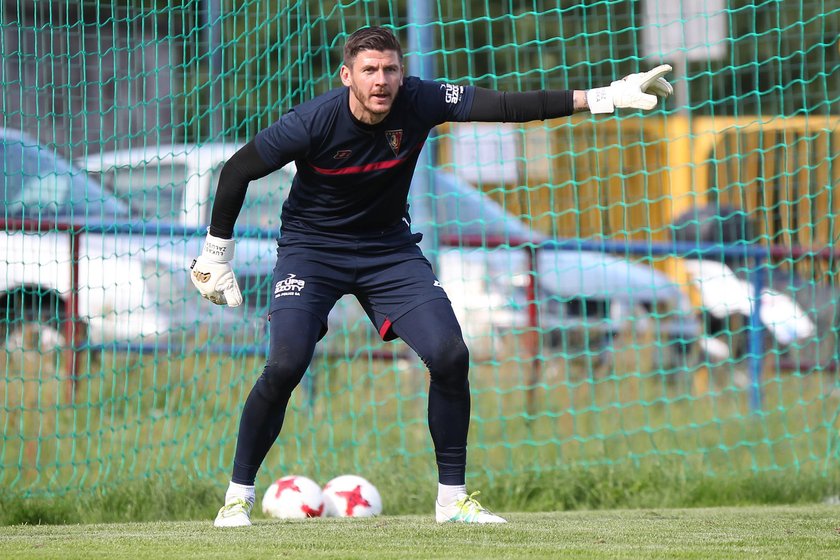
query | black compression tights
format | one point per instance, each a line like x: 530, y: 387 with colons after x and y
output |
x: 430, y: 329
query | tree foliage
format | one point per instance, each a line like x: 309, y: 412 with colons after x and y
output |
x: 245, y: 62
x: 278, y: 54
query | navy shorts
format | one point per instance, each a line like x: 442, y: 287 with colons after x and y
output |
x: 387, y: 284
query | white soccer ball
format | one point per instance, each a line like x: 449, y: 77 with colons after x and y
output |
x: 351, y: 496
x: 293, y: 497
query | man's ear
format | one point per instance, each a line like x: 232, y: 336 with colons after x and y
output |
x: 344, y: 72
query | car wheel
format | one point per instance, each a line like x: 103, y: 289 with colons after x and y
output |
x: 32, y: 331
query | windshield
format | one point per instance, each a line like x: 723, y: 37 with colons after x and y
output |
x: 152, y: 192
x: 462, y: 210
x: 39, y: 184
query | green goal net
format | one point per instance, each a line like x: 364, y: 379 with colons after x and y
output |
x: 650, y: 291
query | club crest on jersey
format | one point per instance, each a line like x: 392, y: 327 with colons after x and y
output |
x: 394, y: 138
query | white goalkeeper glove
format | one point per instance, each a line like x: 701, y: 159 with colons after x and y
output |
x: 636, y: 91
x: 212, y: 274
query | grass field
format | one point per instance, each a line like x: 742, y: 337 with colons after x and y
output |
x: 149, y: 416
x: 145, y: 431
x: 766, y: 532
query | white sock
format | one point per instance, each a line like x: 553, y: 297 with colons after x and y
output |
x: 240, y: 491
x: 449, y: 494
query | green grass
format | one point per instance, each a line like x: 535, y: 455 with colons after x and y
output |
x: 180, y: 499
x: 151, y: 425
x: 768, y: 532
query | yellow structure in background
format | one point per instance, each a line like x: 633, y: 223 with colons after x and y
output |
x: 627, y: 179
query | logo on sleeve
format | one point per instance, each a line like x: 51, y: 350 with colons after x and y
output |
x: 394, y: 138
x: 452, y: 93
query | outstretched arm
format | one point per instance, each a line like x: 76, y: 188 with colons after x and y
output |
x: 500, y: 106
x: 637, y: 91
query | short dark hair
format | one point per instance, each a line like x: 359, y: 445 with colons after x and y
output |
x: 370, y: 39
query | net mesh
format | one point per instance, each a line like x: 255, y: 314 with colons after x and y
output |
x: 636, y: 290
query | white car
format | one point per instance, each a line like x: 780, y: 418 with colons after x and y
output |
x: 176, y: 184
x: 117, y: 261
x: 59, y: 226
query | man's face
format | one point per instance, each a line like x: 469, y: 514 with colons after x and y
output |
x: 374, y: 79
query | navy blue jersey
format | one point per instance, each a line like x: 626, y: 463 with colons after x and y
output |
x: 353, y: 179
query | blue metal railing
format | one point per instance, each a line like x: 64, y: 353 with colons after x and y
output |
x: 756, y: 255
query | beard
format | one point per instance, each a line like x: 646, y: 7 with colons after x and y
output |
x: 371, y: 103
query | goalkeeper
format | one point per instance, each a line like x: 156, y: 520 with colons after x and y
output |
x: 346, y: 230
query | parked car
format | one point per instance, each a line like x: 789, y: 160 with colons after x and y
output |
x: 177, y: 183
x: 583, y: 295
x: 131, y: 262
x: 578, y: 291
x: 796, y: 312
x: 122, y: 278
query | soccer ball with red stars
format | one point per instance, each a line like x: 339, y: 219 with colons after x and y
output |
x: 350, y: 495
x: 293, y: 497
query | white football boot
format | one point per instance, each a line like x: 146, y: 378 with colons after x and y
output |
x: 235, y: 513
x: 466, y: 510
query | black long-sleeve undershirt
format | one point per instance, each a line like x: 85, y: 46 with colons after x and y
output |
x: 488, y: 105
x: 244, y: 166
x: 501, y: 106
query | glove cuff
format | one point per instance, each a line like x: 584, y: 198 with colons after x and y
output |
x: 600, y: 100
x: 217, y: 249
